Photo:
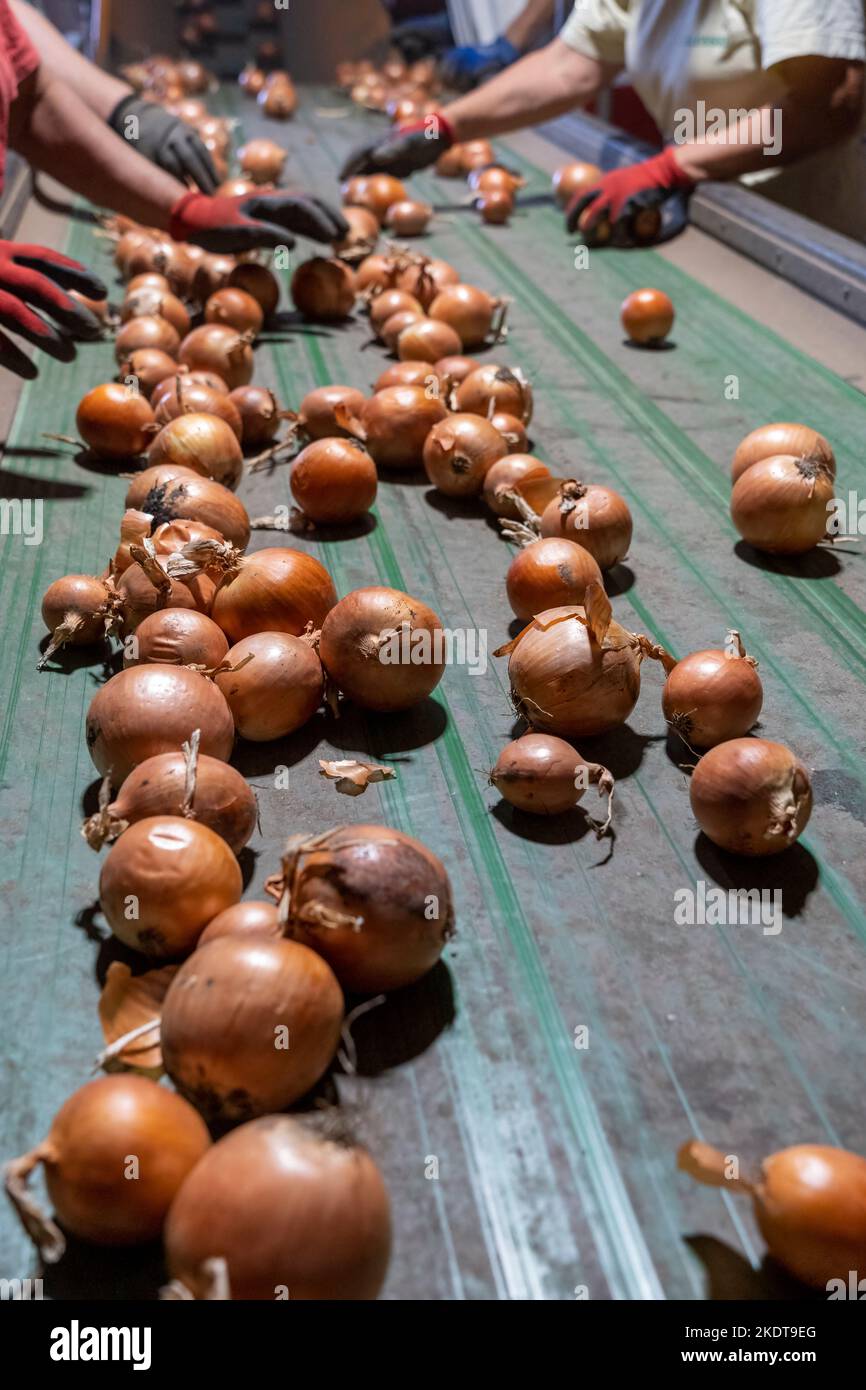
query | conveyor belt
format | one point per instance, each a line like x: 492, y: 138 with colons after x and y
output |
x: 556, y: 1164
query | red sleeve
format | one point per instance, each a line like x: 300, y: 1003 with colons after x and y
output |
x: 19, y: 51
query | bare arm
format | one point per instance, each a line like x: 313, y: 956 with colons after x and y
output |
x: 97, y: 89
x: 531, y: 23
x: 539, y: 87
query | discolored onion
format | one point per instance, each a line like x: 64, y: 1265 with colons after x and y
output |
x: 114, y: 421
x: 334, y: 481
x: 244, y: 919
x: 427, y: 339
x: 545, y: 776
x: 218, y: 348
x: 549, y: 573
x: 714, y: 695
x: 596, y: 517
x: 780, y: 504
x: 203, y: 443
x: 506, y: 389
x: 150, y: 479
x: 149, y: 331
x: 384, y: 650
x: 751, y: 796
x: 236, y: 308
x: 179, y: 635
x: 504, y: 476
x: 459, y: 451
x: 276, y: 692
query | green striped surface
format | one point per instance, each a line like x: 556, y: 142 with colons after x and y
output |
x: 555, y: 1164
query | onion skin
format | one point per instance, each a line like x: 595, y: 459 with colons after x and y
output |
x: 316, y: 1222
x: 711, y: 696
x: 537, y: 773
x: 244, y: 919
x: 219, y: 1023
x: 323, y: 290
x: 498, y: 384
x: 86, y: 1158
x: 505, y: 475
x: 647, y: 316
x: 334, y: 481
x: 767, y: 441
x: 751, y: 796
x: 275, y: 693
x: 779, y: 505
x: 316, y: 410
x: 114, y: 421
x: 549, y: 573
x: 459, y: 452
x: 204, y: 443
x: 595, y: 517
x: 396, y: 422
x: 354, y: 634
x: 222, y: 801
x: 153, y: 709
x: 274, y: 590
x: 180, y: 635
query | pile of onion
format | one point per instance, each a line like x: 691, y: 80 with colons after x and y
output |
x: 713, y: 695
x: 545, y: 776
x: 780, y: 504
x: 249, y: 1024
x: 809, y: 1203
x: 384, y: 650
x: 315, y: 1222
x: 115, y: 421
x: 334, y: 481
x: 275, y: 692
x: 323, y: 290
x: 751, y: 796
x: 459, y: 452
x: 86, y: 1162
x: 394, y: 424
x: 549, y: 573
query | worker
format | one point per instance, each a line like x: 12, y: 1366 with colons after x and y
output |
x: 45, y: 119
x: 468, y: 64
x: 763, y: 89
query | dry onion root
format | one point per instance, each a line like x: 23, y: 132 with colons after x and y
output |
x: 383, y: 649
x: 545, y: 776
x: 315, y: 1223
x: 751, y: 796
x: 375, y: 903
x: 713, y: 695
x: 575, y: 671
x: 86, y: 1159
x: 249, y: 1025
x: 809, y: 1203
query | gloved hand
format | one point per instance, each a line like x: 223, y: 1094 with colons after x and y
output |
x: 165, y: 140
x: 403, y: 151
x: 466, y: 67
x: 620, y: 205
x: 33, y: 275
x: 419, y: 37
x: 225, y: 225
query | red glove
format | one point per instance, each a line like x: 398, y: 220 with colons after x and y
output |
x: 619, y: 196
x: 258, y: 219
x: 402, y: 151
x: 34, y: 275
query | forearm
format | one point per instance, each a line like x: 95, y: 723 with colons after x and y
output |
x: 539, y: 87
x: 54, y: 130
x: 531, y: 24
x: 97, y: 89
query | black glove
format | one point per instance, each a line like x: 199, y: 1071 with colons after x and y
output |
x: 419, y: 37
x: 226, y: 225
x: 403, y: 151
x: 165, y: 140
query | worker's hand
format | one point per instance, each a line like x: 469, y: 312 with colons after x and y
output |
x: 419, y: 37
x: 466, y: 67
x: 641, y: 204
x: 402, y: 151
x: 228, y: 225
x: 33, y: 275
x: 164, y: 140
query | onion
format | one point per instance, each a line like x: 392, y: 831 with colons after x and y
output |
x: 362, y: 235
x: 425, y: 279
x: 238, y: 188
x: 203, y: 443
x: 274, y: 590
x: 780, y: 504
x: 384, y: 650
x: 408, y: 217
x: 278, y: 101
x: 375, y: 903
x: 315, y: 1222
x: 214, y: 273
x: 77, y: 610
x: 145, y: 587
x: 549, y: 573
x: 427, y: 339
x: 166, y: 387
x: 573, y: 178
x: 149, y: 331
x: 711, y: 696
x: 276, y: 692
x: 185, y: 397
x: 148, y: 280
x: 177, y: 874
x: 225, y: 1013
x: 459, y: 451
x: 455, y: 368
x: 389, y: 303
x: 218, y: 348
x: 770, y: 440
x: 394, y: 424
x: 491, y: 388
x: 149, y: 366
x: 152, y: 709
x: 647, y: 316
x: 377, y: 192
x: 323, y: 290
x: 495, y: 206
x: 377, y: 272
x: 178, y: 634
x: 259, y: 414
x: 495, y: 178
x: 114, y: 421
x: 246, y: 918
x: 545, y: 776
x: 149, y: 302
x: 258, y: 281
x: 504, y: 476
x: 751, y: 796
x: 596, y: 517
x: 471, y: 312
x: 86, y: 1160
x: 317, y: 417
x: 236, y: 308
x: 129, y: 242
x: 408, y: 374
x: 449, y: 165
x: 393, y: 327
x: 186, y: 496
x: 334, y: 481
x: 148, y: 479
x: 262, y: 160
x: 513, y: 431
x: 202, y: 789
x: 575, y: 671
x: 251, y: 80
x: 475, y: 154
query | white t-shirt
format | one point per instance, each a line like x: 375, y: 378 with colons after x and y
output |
x: 678, y: 53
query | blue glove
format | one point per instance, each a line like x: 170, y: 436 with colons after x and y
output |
x: 465, y: 67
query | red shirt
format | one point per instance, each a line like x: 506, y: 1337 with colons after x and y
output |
x: 18, y: 59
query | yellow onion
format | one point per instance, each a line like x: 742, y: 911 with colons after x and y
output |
x: 713, y: 695
x: 183, y: 396
x: 180, y: 635
x: 507, y: 390
x: 236, y: 308
x: 505, y: 475
x: 148, y: 331
x: 780, y: 504
x: 573, y: 178
x: 459, y: 452
x: 408, y: 217
x: 427, y: 339
x: 258, y: 281
x: 768, y: 441
x: 273, y: 590
x: 596, y: 517
x: 149, y: 366
x: 323, y: 290
x: 78, y: 609
x: 378, y: 192
x: 751, y: 796
x: 549, y: 573
x: 334, y: 481
x: 545, y: 776
x: 389, y: 303
x: 218, y: 348
x: 145, y: 587
x: 185, y: 496
x: 317, y: 417
x: 425, y: 277
x: 204, y: 443
x: 248, y: 918
x: 472, y: 313
x: 262, y: 160
x: 163, y: 304
x: 384, y: 650
x: 259, y: 414
x: 394, y: 424
x: 407, y: 373
x: 277, y: 691
x: 362, y: 235
x: 152, y: 709
x: 114, y: 421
